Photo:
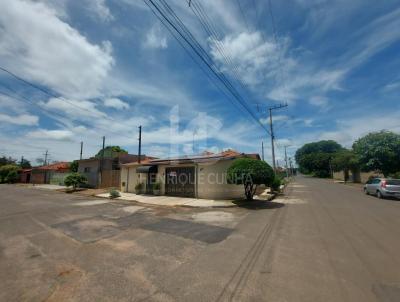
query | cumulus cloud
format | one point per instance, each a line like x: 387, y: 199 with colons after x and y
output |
x: 36, y: 43
x: 116, y: 103
x: 22, y: 120
x: 155, y: 38
x: 57, y: 135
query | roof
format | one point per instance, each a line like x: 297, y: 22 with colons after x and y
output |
x: 203, y: 157
x: 123, y: 158
x: 54, y: 167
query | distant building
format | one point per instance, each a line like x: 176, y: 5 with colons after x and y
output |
x: 48, y: 174
x: 105, y: 172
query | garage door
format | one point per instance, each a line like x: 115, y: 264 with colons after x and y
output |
x: 179, y: 181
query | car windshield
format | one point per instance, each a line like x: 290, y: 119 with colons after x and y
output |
x: 393, y: 182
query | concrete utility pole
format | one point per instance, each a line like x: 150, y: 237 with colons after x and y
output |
x: 140, y: 144
x: 101, y: 161
x: 45, y: 157
x: 262, y: 150
x: 80, y: 156
x: 286, y: 163
x: 272, y: 130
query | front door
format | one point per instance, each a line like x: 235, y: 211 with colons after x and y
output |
x: 179, y: 181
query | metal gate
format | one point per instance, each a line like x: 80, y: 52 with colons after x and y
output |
x: 179, y: 181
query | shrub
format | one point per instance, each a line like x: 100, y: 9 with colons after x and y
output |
x: 8, y: 173
x: 75, y: 180
x: 250, y: 173
x: 157, y: 186
x: 114, y: 194
x: 276, y: 183
x: 139, y: 187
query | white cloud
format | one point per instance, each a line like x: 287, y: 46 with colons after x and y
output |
x: 319, y: 101
x: 155, y: 38
x: 51, y: 53
x: 116, y: 103
x: 57, y: 135
x: 100, y: 9
x: 74, y: 109
x: 249, y: 56
x: 22, y: 120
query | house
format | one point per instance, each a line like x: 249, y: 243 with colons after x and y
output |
x: 200, y: 176
x: 25, y: 175
x: 48, y: 174
x: 105, y: 172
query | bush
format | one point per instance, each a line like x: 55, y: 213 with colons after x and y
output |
x: 250, y: 173
x: 75, y: 180
x: 157, y: 186
x: 395, y: 175
x: 139, y: 187
x: 8, y: 173
x: 114, y: 194
x: 276, y: 184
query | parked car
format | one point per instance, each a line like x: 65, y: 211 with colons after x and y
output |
x: 383, y: 187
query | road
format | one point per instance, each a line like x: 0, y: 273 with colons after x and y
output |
x: 323, y: 241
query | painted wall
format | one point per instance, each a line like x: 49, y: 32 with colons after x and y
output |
x: 210, y: 180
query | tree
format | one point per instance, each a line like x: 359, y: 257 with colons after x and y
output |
x: 74, y: 166
x: 345, y: 160
x: 315, y: 158
x: 6, y: 161
x: 379, y: 151
x: 250, y: 173
x: 25, y: 164
x: 75, y: 180
x: 111, y: 151
x: 8, y: 173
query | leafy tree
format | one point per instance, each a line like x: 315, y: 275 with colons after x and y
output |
x: 345, y: 160
x: 111, y: 151
x: 6, y: 161
x: 250, y: 173
x: 315, y: 158
x: 75, y: 180
x: 74, y: 166
x: 8, y: 173
x: 25, y: 164
x: 379, y: 151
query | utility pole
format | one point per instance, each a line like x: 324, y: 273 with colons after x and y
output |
x: 272, y: 130
x: 286, y: 163
x: 80, y: 157
x: 140, y: 144
x: 22, y: 160
x: 101, y: 161
x: 45, y: 157
x: 262, y: 150
x: 291, y: 168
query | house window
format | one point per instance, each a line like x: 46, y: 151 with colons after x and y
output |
x: 86, y: 170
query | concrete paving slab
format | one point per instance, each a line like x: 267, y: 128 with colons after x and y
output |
x: 173, y: 201
x: 92, y: 202
x: 48, y: 187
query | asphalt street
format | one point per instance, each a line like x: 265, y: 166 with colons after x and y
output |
x: 322, y: 241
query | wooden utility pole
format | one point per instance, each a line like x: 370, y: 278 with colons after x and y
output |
x: 140, y: 144
x: 80, y: 156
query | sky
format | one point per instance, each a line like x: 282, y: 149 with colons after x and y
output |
x: 110, y: 65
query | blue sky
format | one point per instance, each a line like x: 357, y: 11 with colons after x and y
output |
x: 336, y: 63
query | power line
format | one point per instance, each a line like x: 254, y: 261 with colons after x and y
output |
x: 198, y: 50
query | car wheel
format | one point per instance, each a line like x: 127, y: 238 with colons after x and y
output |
x: 366, y: 191
x: 379, y: 195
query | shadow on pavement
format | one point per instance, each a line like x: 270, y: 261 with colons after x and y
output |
x: 258, y: 204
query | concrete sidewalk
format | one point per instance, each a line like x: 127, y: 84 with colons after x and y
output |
x: 173, y: 201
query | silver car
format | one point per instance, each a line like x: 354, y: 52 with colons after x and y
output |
x: 383, y: 187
